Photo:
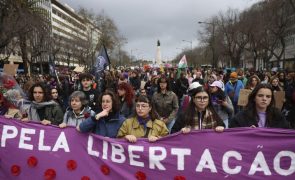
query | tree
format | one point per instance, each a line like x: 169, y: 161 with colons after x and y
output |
x: 23, y: 19
x: 234, y: 39
x: 268, y: 36
x: 110, y: 36
x: 259, y: 32
x: 292, y: 3
x: 10, y: 22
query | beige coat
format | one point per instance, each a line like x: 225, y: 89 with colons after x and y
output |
x: 131, y: 126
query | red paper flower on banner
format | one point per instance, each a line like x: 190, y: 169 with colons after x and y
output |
x: 71, y: 165
x: 179, y: 178
x: 15, y: 170
x: 86, y: 115
x: 105, y: 169
x: 85, y: 178
x: 49, y: 174
x: 32, y: 161
x: 140, y: 175
x: 8, y: 83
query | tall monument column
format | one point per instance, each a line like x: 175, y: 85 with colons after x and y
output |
x: 158, y: 54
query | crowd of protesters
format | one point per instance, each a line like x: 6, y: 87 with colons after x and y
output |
x: 151, y: 103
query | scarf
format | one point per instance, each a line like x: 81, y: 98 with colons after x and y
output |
x: 33, y: 115
x: 143, y: 121
x: 207, y: 120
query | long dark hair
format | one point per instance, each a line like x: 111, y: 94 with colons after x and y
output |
x: 190, y: 112
x: 146, y: 99
x: 163, y: 78
x: 271, y: 110
x: 47, y: 95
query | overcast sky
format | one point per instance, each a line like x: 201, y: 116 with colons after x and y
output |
x: 143, y: 22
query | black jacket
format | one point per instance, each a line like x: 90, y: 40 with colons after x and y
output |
x: 244, y: 119
x: 179, y: 123
x: 181, y: 86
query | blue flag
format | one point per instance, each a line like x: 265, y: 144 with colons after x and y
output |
x: 101, y: 62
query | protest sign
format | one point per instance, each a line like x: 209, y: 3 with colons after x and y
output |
x: 79, y: 69
x: 279, y: 99
x: 10, y: 69
x: 243, y: 97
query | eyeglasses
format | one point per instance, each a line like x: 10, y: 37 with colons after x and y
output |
x: 142, y: 106
x: 201, y: 98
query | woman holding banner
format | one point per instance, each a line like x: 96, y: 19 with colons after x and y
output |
x: 108, y: 121
x: 144, y: 124
x: 260, y: 110
x: 199, y: 114
x: 78, y: 110
x: 42, y: 107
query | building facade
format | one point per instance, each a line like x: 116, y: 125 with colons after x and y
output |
x: 71, y: 40
x: 75, y: 37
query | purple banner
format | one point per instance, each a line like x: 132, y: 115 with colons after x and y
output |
x: 34, y: 151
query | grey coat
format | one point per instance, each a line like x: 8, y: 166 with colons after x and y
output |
x: 72, y: 119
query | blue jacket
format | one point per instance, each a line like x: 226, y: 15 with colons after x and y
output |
x: 105, y: 126
x: 230, y: 89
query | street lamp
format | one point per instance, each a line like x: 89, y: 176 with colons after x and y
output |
x: 191, y: 42
x: 213, y: 40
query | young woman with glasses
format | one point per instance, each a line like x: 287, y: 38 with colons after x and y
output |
x: 199, y: 114
x: 144, y: 124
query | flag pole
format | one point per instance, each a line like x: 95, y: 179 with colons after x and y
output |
x: 58, y: 81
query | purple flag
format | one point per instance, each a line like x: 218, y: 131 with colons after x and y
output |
x: 34, y: 151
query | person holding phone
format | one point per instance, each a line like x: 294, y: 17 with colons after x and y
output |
x: 221, y: 102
